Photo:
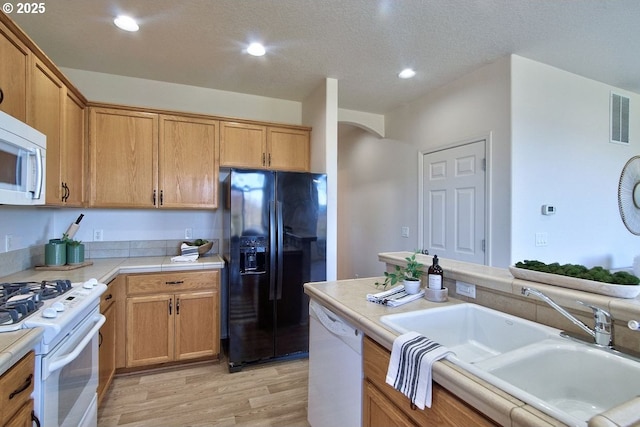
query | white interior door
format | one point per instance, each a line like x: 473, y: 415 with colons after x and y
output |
x: 453, y: 202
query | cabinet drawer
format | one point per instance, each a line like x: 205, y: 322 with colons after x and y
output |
x: 16, y: 386
x: 446, y: 408
x: 172, y: 282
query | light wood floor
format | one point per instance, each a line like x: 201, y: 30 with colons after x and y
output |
x: 273, y: 394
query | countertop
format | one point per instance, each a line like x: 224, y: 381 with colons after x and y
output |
x: 106, y: 269
x: 347, y: 298
x: 14, y: 345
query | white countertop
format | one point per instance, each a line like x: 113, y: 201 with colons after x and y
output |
x: 14, y: 345
x: 106, y: 269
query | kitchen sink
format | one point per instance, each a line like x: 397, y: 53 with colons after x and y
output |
x: 566, y: 379
x: 571, y: 378
x: 473, y: 332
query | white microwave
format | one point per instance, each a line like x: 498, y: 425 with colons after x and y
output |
x: 22, y: 163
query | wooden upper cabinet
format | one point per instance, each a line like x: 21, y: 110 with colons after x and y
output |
x: 14, y: 74
x: 288, y: 149
x: 247, y: 145
x: 123, y: 149
x: 45, y: 113
x: 188, y: 162
x: 243, y: 145
x: 73, y: 160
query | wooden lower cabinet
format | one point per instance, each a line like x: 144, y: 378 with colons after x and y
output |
x: 107, y: 342
x: 16, y: 386
x: 383, y: 406
x: 172, y: 317
x: 23, y: 417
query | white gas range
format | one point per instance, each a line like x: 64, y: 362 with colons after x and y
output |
x: 66, y: 371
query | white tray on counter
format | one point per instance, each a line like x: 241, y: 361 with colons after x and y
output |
x: 619, y: 291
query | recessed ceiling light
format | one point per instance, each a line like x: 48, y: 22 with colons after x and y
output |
x: 126, y: 23
x: 256, y: 49
x: 407, y: 73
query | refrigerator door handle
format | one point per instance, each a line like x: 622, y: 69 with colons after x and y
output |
x: 272, y: 250
x: 280, y: 249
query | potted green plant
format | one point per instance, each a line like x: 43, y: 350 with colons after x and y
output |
x: 409, y: 275
x: 75, y: 250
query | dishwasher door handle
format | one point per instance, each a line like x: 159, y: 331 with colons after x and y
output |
x: 333, y: 325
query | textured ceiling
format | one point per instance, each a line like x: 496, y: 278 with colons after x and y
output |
x: 361, y: 43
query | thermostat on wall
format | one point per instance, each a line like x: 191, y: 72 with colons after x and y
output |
x: 548, y: 209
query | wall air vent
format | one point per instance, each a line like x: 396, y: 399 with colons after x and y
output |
x: 619, y: 115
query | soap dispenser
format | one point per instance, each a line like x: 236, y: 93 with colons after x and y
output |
x: 435, y: 275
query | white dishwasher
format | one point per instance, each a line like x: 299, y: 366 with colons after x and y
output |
x: 335, y: 370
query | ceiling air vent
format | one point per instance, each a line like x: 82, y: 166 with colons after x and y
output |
x: 619, y: 111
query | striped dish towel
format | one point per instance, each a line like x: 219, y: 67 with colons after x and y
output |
x: 409, y: 371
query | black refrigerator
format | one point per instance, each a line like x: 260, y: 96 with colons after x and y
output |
x: 274, y: 241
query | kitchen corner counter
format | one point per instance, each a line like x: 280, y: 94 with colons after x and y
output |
x: 348, y: 299
x: 106, y: 269
x: 14, y: 345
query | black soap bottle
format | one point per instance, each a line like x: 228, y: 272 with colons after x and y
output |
x: 435, y: 275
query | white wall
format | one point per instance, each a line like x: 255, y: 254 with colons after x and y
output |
x: 561, y: 156
x: 30, y: 226
x: 109, y: 88
x: 320, y: 111
x: 476, y: 105
x: 377, y: 197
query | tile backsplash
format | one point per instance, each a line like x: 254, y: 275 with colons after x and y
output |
x: 23, y: 259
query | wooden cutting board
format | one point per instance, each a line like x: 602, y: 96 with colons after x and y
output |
x: 62, y: 267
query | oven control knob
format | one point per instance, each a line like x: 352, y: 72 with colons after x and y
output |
x: 89, y: 284
x: 57, y: 306
x: 49, y: 313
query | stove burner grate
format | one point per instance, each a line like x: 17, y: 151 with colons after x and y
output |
x: 21, y: 299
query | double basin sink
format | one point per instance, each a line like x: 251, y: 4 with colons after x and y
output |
x: 568, y: 380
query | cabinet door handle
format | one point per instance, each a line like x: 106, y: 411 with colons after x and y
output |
x: 65, y: 192
x: 1, y: 96
x: 100, y: 339
x: 22, y: 388
x: 178, y: 306
x: 35, y: 419
x: 269, y: 159
x: 264, y: 159
x: 170, y: 307
x: 154, y: 197
x: 177, y: 282
x: 161, y: 197
x: 108, y: 297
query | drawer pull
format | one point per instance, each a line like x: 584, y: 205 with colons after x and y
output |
x: 22, y: 388
x: 108, y: 297
x: 176, y: 282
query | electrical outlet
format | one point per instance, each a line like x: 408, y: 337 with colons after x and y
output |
x: 466, y: 289
x: 188, y: 233
x: 8, y: 242
x: 404, y: 231
x: 98, y: 235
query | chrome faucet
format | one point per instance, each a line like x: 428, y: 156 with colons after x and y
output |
x: 602, y: 333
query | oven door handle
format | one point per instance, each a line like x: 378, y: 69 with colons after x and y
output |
x: 70, y: 357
